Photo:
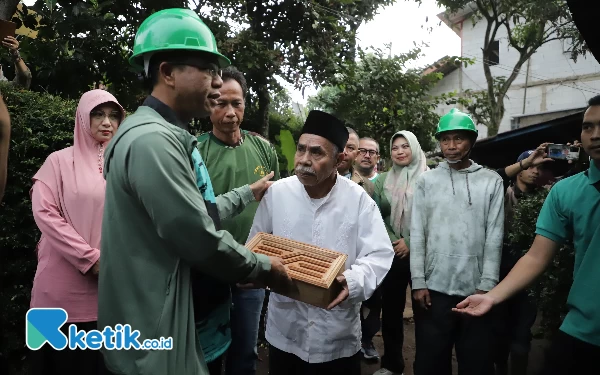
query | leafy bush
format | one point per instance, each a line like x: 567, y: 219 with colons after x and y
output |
x: 41, y: 124
x: 552, y: 290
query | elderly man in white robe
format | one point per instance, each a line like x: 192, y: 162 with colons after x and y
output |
x: 319, y: 207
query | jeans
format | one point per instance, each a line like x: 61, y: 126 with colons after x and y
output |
x: 245, y: 317
x: 438, y: 329
x: 393, y: 291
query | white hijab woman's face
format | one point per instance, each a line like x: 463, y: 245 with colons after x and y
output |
x: 401, y: 152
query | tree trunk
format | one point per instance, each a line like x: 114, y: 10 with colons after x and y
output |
x: 497, y: 100
x: 264, y: 101
x: 496, y: 115
x: 8, y: 9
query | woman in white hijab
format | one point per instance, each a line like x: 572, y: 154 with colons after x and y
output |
x: 393, y: 194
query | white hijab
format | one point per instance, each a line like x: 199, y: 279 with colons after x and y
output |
x: 400, y: 182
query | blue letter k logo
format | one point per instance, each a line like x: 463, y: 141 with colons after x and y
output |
x: 43, y: 325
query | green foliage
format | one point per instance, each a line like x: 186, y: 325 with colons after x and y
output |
x: 379, y: 96
x: 41, y: 124
x: 552, y: 290
x: 288, y: 148
x: 302, y: 42
x: 81, y: 43
x: 478, y: 105
x: 282, y: 130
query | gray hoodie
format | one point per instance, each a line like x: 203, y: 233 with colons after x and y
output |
x: 456, y: 230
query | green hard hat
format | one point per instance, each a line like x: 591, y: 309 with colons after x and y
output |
x: 174, y: 29
x: 455, y: 120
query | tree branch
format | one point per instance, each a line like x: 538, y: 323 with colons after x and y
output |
x: 482, y: 8
x: 494, y: 10
x: 513, y: 43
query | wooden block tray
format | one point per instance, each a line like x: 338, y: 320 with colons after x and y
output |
x: 312, y: 268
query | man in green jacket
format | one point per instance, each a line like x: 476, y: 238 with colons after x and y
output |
x: 157, y: 227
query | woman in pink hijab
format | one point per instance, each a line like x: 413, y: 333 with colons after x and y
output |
x: 67, y: 201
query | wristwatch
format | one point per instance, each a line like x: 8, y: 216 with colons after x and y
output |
x: 522, y: 166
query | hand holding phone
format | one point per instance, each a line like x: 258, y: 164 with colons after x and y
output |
x: 563, y: 152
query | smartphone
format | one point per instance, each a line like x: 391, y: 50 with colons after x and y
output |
x: 7, y: 28
x: 563, y: 152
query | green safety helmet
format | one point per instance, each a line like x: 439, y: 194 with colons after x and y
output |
x: 174, y: 29
x: 456, y: 120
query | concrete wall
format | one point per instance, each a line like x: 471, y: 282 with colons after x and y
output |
x: 555, y: 81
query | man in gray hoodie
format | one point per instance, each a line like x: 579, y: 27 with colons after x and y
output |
x: 456, y: 245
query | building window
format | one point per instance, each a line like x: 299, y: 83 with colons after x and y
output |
x: 493, y: 57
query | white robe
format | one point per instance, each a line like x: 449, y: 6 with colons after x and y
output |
x: 346, y: 220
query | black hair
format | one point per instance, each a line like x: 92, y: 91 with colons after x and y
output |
x: 231, y: 73
x: 173, y: 57
x: 594, y: 101
x: 371, y: 139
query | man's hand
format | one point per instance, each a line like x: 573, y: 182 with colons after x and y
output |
x: 574, y: 144
x: 480, y: 291
x: 4, y: 120
x: 96, y: 268
x: 11, y: 43
x: 278, y: 279
x: 400, y: 248
x: 475, y: 305
x: 343, y: 294
x: 539, y: 156
x: 260, y: 187
x: 423, y: 298
x: 4, y: 145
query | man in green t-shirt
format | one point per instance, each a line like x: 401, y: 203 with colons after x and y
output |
x: 234, y: 158
x: 571, y: 212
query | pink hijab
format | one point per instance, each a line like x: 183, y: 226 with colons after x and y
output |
x: 74, y: 174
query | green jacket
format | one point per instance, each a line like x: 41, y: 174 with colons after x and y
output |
x: 385, y: 206
x: 155, y: 229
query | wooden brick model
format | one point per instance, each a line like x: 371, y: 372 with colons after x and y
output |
x: 312, y: 268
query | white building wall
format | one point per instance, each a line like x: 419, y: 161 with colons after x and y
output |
x: 555, y: 81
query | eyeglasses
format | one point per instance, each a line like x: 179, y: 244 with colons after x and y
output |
x: 212, y: 69
x: 214, y: 72
x: 114, y: 116
x: 364, y: 151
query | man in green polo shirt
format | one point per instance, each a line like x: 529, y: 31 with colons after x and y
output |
x: 571, y: 212
x: 234, y: 158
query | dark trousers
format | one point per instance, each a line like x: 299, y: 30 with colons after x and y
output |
x: 47, y: 361
x: 393, y: 290
x: 513, y: 320
x: 215, y: 367
x: 371, y: 323
x: 438, y: 329
x: 282, y: 363
x: 568, y: 355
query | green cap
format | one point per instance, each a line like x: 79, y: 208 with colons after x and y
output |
x: 456, y: 120
x: 174, y: 29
